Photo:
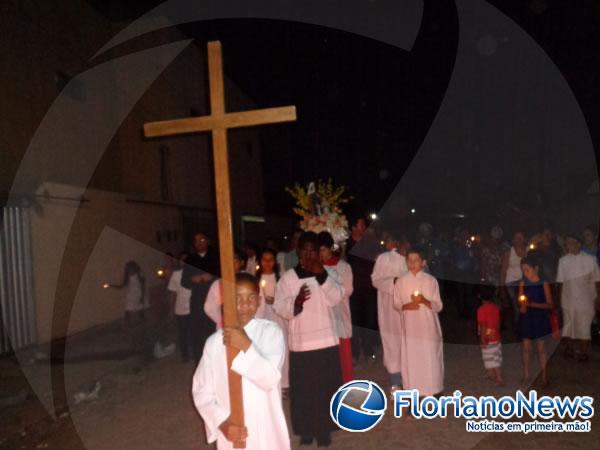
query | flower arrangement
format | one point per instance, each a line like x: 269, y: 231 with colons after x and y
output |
x: 319, y: 206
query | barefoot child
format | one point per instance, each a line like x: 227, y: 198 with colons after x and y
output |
x: 488, y: 326
x: 259, y: 363
x: 535, y: 304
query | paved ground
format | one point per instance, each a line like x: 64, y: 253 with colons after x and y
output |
x: 148, y: 405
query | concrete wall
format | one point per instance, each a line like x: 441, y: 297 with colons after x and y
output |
x: 107, y: 232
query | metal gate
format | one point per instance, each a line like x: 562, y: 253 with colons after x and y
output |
x: 17, y: 306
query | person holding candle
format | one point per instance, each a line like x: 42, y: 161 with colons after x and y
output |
x: 389, y: 266
x: 306, y: 295
x: 417, y: 296
x: 510, y: 272
x: 134, y: 284
x: 268, y: 276
x: 535, y: 304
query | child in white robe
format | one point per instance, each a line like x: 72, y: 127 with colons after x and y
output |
x: 259, y: 362
x: 389, y: 266
x: 417, y: 295
x: 268, y: 275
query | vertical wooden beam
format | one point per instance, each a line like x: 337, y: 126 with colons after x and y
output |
x: 224, y: 219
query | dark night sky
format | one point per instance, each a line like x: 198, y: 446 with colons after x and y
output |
x: 365, y: 107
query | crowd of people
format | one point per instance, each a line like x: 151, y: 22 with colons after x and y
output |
x: 318, y: 309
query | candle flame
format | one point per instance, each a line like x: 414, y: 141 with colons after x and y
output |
x: 160, y: 272
x: 106, y: 285
x: 416, y: 293
x: 263, y: 283
x: 523, y: 298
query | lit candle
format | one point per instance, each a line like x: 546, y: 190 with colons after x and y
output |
x: 382, y: 242
x: 160, y: 272
x: 263, y: 283
x: 522, y: 298
x: 416, y: 293
x: 258, y: 267
x: 105, y: 285
x: 472, y: 238
x: 531, y: 246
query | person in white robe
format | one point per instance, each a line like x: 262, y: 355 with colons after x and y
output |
x: 259, y: 362
x: 417, y: 295
x: 213, y: 305
x: 268, y: 276
x: 579, y: 279
x: 390, y: 266
x: 341, y: 270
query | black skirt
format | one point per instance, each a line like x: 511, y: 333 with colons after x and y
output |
x: 314, y: 377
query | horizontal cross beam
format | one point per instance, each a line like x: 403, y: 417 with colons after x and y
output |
x: 228, y: 120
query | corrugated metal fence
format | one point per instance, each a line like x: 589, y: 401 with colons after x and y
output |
x: 17, y: 306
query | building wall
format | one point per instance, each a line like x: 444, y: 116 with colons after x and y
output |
x: 45, y: 45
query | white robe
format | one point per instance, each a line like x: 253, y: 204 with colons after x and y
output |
x: 343, y: 319
x: 314, y: 328
x: 422, y: 343
x: 266, y: 311
x: 213, y: 304
x: 260, y: 369
x: 389, y: 265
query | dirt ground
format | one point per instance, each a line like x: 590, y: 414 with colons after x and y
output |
x: 147, y: 405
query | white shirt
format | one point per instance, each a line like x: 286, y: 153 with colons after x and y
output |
x: 260, y: 369
x: 343, y: 319
x: 133, y: 294
x: 513, y: 271
x: 182, y: 295
x: 578, y: 275
x: 314, y: 328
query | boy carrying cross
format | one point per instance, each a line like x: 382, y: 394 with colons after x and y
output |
x: 259, y: 362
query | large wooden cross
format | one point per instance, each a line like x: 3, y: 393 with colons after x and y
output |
x: 218, y: 122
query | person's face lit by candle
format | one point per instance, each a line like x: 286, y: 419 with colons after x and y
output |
x: 415, y: 262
